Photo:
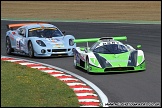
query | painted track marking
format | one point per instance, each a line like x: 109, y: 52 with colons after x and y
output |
x: 85, y: 94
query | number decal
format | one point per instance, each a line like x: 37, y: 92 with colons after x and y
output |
x: 18, y: 43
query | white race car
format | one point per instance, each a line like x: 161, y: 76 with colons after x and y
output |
x: 38, y: 39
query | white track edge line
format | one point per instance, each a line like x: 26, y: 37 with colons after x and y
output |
x: 102, y: 96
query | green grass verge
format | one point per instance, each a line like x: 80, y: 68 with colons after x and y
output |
x: 27, y: 87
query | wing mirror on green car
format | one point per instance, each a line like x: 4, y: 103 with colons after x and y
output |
x: 139, y: 46
x: 82, y: 48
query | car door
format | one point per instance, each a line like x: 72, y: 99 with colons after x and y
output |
x: 20, y: 40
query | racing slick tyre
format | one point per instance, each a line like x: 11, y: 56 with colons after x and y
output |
x: 31, y: 50
x: 87, y: 66
x: 75, y: 64
x: 9, y: 50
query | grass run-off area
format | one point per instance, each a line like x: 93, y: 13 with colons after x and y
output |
x: 27, y: 87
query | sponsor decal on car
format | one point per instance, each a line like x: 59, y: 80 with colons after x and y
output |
x: 58, y: 45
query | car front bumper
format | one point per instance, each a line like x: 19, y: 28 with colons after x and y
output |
x: 95, y: 69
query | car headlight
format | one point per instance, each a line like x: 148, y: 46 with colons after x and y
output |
x: 41, y: 43
x: 71, y: 42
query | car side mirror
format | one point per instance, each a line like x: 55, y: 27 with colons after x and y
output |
x: 139, y: 46
x: 82, y: 48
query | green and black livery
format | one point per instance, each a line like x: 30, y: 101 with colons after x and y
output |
x: 108, y: 54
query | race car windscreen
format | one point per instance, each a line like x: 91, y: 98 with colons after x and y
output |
x: 44, y: 33
x: 109, y: 48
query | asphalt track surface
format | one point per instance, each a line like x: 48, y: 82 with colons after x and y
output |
x: 142, y: 86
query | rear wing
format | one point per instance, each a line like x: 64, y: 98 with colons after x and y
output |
x: 117, y: 38
x: 86, y: 40
x: 14, y: 26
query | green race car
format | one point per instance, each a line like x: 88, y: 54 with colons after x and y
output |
x: 108, y: 54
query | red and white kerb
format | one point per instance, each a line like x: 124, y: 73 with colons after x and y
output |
x: 85, y: 94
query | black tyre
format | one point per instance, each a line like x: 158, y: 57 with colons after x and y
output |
x: 30, y: 49
x: 87, y: 65
x: 9, y: 49
x: 75, y: 64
